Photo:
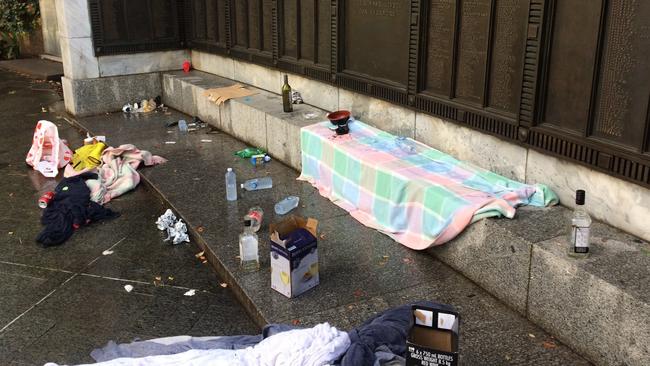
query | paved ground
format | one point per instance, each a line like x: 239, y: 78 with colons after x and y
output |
x: 362, y: 271
x: 57, y: 304
x: 35, y: 68
x: 60, y: 303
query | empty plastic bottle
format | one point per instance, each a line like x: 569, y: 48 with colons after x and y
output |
x: 257, y: 184
x: 231, y: 185
x: 286, y: 205
x: 182, y: 126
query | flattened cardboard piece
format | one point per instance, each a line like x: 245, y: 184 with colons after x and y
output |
x: 221, y: 95
x: 294, y: 259
x: 433, y: 338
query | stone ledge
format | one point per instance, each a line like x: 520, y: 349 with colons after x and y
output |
x: 508, y: 258
x: 266, y: 126
x: 362, y: 271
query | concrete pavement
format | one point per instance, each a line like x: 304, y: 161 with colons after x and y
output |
x: 59, y: 303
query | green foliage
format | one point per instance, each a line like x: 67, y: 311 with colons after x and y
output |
x: 17, y: 17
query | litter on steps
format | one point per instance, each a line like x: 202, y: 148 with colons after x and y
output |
x: 176, y: 228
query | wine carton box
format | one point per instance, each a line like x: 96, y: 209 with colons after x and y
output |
x: 433, y: 338
x: 294, y: 256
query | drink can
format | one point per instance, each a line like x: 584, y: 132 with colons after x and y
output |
x: 45, y: 199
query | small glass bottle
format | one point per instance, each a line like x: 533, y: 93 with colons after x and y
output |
x: 580, y: 227
x: 287, y: 106
x: 248, y: 248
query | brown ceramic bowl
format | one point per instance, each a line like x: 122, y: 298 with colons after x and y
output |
x: 338, y: 118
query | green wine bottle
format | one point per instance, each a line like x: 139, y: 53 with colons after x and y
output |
x: 287, y: 106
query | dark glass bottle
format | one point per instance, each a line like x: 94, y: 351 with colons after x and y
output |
x: 287, y: 106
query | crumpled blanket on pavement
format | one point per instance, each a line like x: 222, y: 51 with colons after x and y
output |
x: 319, y: 345
x: 118, y: 172
x: 379, y: 341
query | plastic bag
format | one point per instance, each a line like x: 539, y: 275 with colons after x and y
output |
x: 48, y: 152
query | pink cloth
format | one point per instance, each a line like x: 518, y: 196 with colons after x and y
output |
x: 48, y: 152
x: 118, y: 173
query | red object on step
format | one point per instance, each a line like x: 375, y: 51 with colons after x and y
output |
x: 187, y: 66
x: 45, y: 199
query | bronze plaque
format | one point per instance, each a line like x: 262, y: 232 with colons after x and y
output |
x: 212, y: 20
x: 324, y: 31
x: 200, y: 19
x: 163, y: 20
x: 241, y: 24
x: 307, y: 27
x: 223, y: 23
x: 113, y: 20
x: 267, y: 22
x: 254, y: 23
x: 472, y: 49
x: 290, y: 28
x: 440, y: 46
x: 138, y: 19
x: 506, y: 67
x: 571, y: 65
x: 625, y: 73
x: 377, y: 39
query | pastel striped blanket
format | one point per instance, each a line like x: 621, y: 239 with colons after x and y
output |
x: 417, y: 195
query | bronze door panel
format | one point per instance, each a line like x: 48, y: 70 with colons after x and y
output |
x: 473, y: 50
x: 440, y: 47
x: 376, y: 39
x: 622, y: 103
x: 573, y: 47
x: 506, y: 66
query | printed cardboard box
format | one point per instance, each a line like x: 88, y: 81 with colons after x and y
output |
x: 433, y: 338
x: 294, y: 256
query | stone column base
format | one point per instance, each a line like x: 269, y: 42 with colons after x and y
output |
x: 84, y: 97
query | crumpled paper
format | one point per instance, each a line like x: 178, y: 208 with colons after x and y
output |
x: 176, y: 230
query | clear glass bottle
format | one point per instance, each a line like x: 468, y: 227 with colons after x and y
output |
x: 580, y: 228
x: 287, y: 106
x: 248, y: 248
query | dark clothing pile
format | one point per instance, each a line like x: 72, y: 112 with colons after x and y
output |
x: 70, y: 209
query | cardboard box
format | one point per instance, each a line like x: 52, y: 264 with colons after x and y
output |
x: 433, y: 338
x: 294, y: 256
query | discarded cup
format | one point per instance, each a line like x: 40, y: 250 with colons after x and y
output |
x: 260, y: 159
x: 182, y: 126
x: 286, y: 205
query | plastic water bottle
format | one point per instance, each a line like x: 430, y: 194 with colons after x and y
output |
x: 257, y: 184
x: 231, y: 185
x: 182, y: 126
x: 286, y: 205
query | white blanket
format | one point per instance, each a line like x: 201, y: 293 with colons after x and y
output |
x: 315, y: 346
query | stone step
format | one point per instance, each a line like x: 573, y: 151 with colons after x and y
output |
x: 504, y: 257
x: 362, y: 271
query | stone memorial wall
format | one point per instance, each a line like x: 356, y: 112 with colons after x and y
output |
x: 569, y: 78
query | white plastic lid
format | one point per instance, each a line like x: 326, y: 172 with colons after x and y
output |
x: 229, y: 170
